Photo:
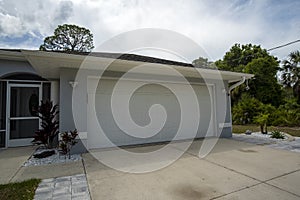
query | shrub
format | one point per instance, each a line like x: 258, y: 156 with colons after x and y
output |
x: 287, y: 114
x: 277, y: 135
x: 48, y: 115
x: 68, y: 141
x: 246, y: 109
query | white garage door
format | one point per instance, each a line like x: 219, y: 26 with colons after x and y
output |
x: 103, y: 130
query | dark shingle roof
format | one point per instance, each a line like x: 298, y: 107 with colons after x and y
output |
x: 132, y: 57
x: 125, y: 56
x: 13, y: 50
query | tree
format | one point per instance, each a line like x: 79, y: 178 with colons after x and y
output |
x: 262, y: 120
x: 265, y: 86
x: 253, y: 59
x: 239, y: 56
x: 203, y: 62
x: 291, y: 73
x: 69, y: 38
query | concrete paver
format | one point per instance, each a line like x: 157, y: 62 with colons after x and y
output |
x: 63, y: 188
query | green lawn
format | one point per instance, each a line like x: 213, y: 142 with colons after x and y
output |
x: 294, y: 131
x: 22, y: 190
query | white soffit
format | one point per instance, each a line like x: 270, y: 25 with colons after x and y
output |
x: 48, y: 65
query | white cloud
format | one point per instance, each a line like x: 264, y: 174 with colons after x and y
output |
x: 215, y: 25
x: 10, y: 26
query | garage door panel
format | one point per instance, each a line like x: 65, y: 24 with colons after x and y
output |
x: 139, y: 105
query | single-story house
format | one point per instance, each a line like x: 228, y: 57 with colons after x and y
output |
x: 29, y: 75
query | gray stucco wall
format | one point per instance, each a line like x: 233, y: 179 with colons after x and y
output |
x: 66, y: 114
x: 226, y: 132
x: 222, y: 103
x: 8, y: 67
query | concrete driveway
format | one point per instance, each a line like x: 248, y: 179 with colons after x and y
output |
x: 233, y: 170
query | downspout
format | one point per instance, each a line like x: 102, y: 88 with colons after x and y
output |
x: 229, y: 99
x: 236, y: 84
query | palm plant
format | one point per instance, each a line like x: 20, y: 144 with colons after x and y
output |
x: 291, y: 73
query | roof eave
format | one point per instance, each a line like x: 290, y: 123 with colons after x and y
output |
x: 12, y: 55
x: 42, y: 61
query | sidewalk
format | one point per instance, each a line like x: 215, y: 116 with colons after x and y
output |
x: 11, y: 160
x: 11, y: 169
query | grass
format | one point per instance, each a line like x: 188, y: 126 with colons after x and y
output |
x: 22, y: 190
x: 294, y: 131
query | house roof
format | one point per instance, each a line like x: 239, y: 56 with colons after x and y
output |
x: 131, y: 57
x: 48, y: 64
x: 120, y: 56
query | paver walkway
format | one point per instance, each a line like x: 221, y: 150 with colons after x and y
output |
x: 63, y: 188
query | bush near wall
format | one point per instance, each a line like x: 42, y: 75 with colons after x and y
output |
x: 248, y: 108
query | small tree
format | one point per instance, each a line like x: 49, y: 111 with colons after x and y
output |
x: 262, y: 120
x: 69, y: 38
x: 48, y: 115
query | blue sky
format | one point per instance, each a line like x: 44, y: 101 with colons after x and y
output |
x: 214, y: 25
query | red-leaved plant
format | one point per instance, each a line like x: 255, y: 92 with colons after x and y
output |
x: 67, y: 142
x: 49, y: 123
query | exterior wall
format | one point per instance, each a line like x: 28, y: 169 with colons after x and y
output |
x: 223, y: 108
x: 65, y: 114
x: 222, y: 104
x: 8, y: 67
x: 65, y: 99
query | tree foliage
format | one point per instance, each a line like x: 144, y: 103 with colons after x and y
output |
x: 255, y: 60
x: 288, y: 114
x: 69, y: 38
x: 291, y: 73
x: 239, y: 56
x: 249, y: 110
x: 265, y: 86
x: 203, y: 62
x: 266, y: 103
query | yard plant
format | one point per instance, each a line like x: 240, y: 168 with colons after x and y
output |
x: 68, y: 141
x: 277, y: 134
x: 47, y: 112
